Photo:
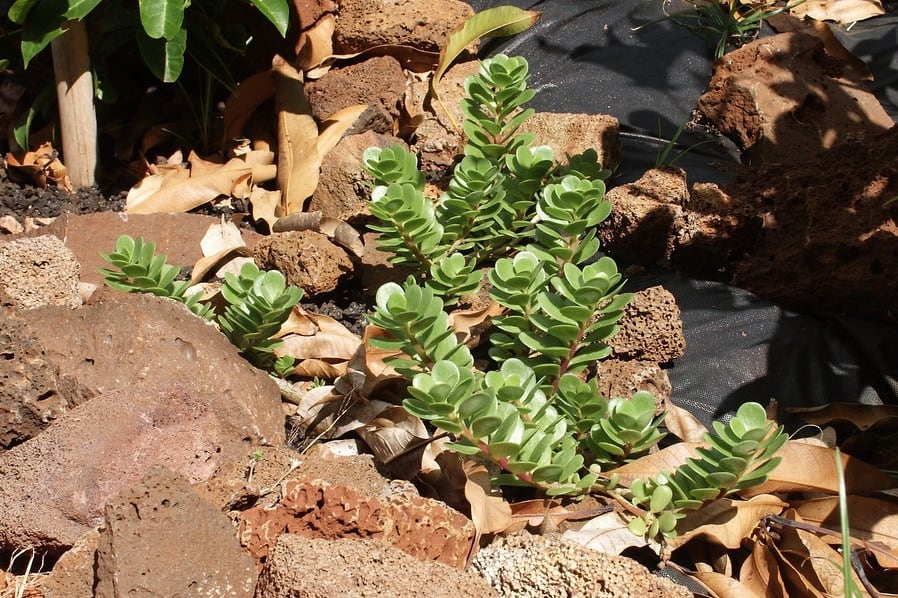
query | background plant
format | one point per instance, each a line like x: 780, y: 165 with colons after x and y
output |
x: 729, y: 23
x: 257, y: 302
x: 201, y: 39
x: 510, y: 209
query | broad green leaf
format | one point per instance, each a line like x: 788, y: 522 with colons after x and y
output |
x: 162, y: 18
x: 19, y: 10
x: 164, y: 58
x: 43, y: 25
x: 493, y: 22
x: 78, y: 9
x: 275, y: 11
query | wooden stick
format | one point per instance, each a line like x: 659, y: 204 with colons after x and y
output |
x: 75, y: 95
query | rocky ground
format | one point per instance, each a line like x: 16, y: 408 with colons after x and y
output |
x: 141, y: 452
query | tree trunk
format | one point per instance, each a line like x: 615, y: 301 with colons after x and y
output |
x: 75, y: 95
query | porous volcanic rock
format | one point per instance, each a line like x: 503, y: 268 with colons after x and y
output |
x: 424, y: 528
x: 344, y: 188
x: 570, y: 134
x: 316, y: 568
x: 39, y: 271
x: 160, y: 538
x: 651, y: 328
x: 378, y: 82
x: 32, y: 395
x: 307, y: 259
x: 363, y: 24
x: 783, y: 99
x: 526, y: 566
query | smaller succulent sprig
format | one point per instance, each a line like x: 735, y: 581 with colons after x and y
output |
x: 140, y: 270
x: 739, y: 455
x: 258, y: 302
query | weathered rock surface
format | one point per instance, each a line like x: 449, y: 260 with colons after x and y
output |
x: 525, y: 566
x: 315, y: 568
x: 143, y: 342
x: 570, y: 134
x: 32, y: 394
x: 623, y: 378
x: 419, y: 23
x: 783, y: 99
x: 307, y: 259
x: 827, y: 242
x: 39, y: 271
x: 651, y: 328
x: 378, y: 82
x: 645, y: 218
x: 160, y: 538
x: 422, y: 527
x: 166, y: 388
x: 342, y: 192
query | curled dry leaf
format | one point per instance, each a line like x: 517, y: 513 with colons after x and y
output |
x: 470, y: 324
x: 393, y: 434
x: 316, y: 45
x: 265, y: 204
x: 223, y: 251
x: 40, y: 167
x: 843, y: 12
x: 682, y: 424
x: 872, y: 522
x: 490, y: 514
x: 252, y: 92
x: 725, y: 521
x: 860, y: 416
x: 301, y: 147
x: 311, y: 336
x: 336, y: 230
x: 812, y: 468
x: 180, y: 191
x: 608, y: 533
x: 723, y: 585
x: 760, y: 572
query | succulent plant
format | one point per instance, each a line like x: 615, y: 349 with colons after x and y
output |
x: 530, y: 223
x: 258, y: 302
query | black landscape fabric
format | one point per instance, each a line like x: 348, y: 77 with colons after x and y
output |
x: 623, y: 59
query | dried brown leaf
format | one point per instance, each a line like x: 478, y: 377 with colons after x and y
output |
x: 207, y: 264
x: 843, y: 12
x: 726, y: 521
x: 810, y: 468
x: 264, y: 205
x: 330, y: 341
x: 761, y: 573
x: 252, y: 92
x: 489, y: 513
x: 316, y: 44
x: 301, y: 147
x: 607, y: 533
x: 470, y: 324
x: 860, y: 416
x: 318, y: 368
x: 873, y: 520
x: 179, y: 193
x: 682, y: 424
x: 40, y: 167
x: 394, y: 432
x: 722, y: 585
